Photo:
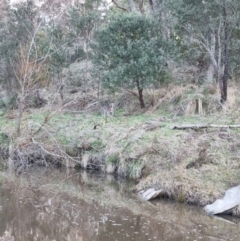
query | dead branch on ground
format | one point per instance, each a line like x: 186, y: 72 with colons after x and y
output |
x: 203, y: 126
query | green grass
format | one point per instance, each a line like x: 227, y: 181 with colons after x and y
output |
x: 112, y: 159
x: 135, y: 169
x: 35, y: 117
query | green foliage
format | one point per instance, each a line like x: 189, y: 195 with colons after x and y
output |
x: 129, y: 52
x: 58, y: 49
x: 16, y: 29
x: 98, y: 144
x: 135, y: 169
x: 79, y: 54
x: 198, y: 23
x: 21, y: 21
x: 82, y: 22
x: 2, y: 104
x: 3, y: 139
x: 9, y: 102
x: 112, y: 159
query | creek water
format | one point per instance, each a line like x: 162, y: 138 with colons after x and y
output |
x: 46, y: 204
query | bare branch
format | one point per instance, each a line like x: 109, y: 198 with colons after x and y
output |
x: 118, y: 6
x: 203, y: 126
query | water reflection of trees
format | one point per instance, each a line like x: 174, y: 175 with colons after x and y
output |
x: 73, y: 206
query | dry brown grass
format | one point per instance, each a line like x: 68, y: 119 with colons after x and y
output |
x: 202, y: 183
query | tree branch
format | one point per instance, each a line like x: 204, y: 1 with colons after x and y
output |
x: 118, y: 6
x: 204, y: 126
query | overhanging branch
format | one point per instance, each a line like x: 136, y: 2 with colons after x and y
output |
x: 118, y: 6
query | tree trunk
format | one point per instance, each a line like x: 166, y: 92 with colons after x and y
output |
x: 219, y: 62
x: 153, y: 5
x: 140, y: 95
x: 87, y: 60
x: 210, y: 74
x: 212, y: 68
x: 226, y: 64
x: 20, y: 112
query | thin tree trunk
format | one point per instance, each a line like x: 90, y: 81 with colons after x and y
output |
x: 219, y: 69
x: 210, y: 73
x: 211, y: 70
x: 226, y: 64
x: 20, y: 111
x: 140, y: 95
x: 87, y: 59
x: 153, y: 6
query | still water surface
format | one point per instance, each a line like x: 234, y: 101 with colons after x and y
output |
x: 59, y: 205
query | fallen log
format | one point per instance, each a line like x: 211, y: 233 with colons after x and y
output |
x: 204, y: 126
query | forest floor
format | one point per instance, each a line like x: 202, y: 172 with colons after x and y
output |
x: 193, y: 165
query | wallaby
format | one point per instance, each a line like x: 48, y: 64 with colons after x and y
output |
x: 107, y: 109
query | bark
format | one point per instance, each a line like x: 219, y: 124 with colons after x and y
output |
x: 210, y: 74
x: 226, y: 62
x: 204, y: 126
x: 210, y: 70
x: 219, y: 69
x: 20, y: 112
x: 118, y: 6
x: 87, y: 60
x: 153, y: 5
x: 140, y: 95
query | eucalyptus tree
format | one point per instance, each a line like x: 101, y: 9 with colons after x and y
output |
x: 130, y: 53
x: 17, y: 24
x: 210, y: 26
x: 83, y: 17
x: 24, y: 53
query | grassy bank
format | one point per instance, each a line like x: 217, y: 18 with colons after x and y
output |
x: 193, y: 166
